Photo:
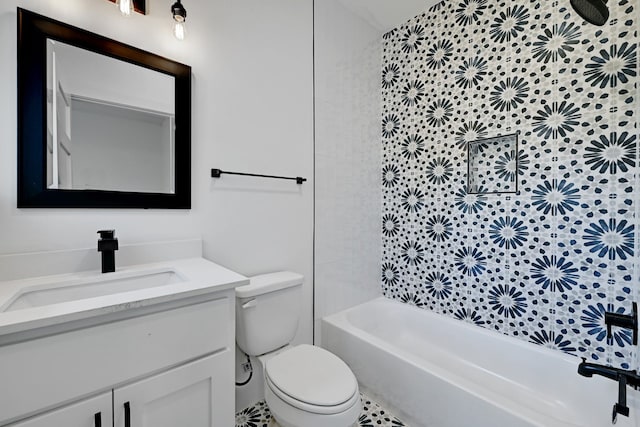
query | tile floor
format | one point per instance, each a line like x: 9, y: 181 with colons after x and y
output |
x: 373, y: 415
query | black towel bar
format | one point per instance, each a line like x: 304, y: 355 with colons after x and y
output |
x: 215, y: 173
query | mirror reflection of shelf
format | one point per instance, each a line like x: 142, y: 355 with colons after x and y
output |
x: 145, y: 139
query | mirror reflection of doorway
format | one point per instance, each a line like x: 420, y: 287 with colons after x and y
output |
x: 107, y: 137
x: 59, y: 167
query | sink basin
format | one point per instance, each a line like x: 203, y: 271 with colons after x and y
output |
x: 42, y: 305
x: 97, y: 286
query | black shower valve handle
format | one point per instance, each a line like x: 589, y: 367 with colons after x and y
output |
x: 627, y: 321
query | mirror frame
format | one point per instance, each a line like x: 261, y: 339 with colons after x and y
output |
x: 33, y: 32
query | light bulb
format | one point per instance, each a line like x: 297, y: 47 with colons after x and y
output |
x: 179, y: 30
x: 125, y: 7
x: 179, y: 14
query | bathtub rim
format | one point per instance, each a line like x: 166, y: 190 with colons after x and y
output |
x: 511, y: 340
x: 342, y: 321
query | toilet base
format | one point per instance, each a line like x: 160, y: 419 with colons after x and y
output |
x: 289, y: 416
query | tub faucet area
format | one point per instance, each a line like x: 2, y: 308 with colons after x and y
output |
x: 588, y: 370
x: 624, y: 378
x: 108, y: 245
x: 626, y: 321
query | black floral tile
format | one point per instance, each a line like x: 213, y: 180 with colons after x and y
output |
x: 257, y: 415
x: 542, y: 264
x: 373, y: 415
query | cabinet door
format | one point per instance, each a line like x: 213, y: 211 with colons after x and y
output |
x: 198, y: 394
x: 92, y: 412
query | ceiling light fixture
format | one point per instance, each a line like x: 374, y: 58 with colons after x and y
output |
x: 179, y: 17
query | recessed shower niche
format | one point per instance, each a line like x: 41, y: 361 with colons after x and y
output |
x: 493, y: 165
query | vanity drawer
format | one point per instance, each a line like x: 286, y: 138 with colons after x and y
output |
x: 43, y: 373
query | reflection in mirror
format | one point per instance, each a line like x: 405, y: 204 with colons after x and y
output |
x: 113, y: 123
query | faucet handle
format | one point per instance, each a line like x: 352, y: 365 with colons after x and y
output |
x: 627, y: 321
x: 620, y: 407
x: 635, y: 323
x: 107, y: 234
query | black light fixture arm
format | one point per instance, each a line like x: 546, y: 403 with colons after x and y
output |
x: 178, y: 11
x: 215, y: 173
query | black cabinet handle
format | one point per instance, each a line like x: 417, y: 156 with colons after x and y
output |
x: 97, y: 419
x: 127, y: 414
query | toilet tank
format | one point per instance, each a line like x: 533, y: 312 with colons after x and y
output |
x: 267, y: 312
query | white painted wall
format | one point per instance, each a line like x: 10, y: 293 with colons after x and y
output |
x: 347, y: 151
x: 252, y: 111
x: 385, y: 15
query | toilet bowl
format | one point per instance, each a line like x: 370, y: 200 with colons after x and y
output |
x: 304, y: 385
x: 307, y: 386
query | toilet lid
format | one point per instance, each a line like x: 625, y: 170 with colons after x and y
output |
x: 312, y: 375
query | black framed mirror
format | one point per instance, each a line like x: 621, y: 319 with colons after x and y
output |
x: 100, y: 124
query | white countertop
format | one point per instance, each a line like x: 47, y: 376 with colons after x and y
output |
x: 200, y: 276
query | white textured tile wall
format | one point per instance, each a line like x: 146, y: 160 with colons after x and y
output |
x: 347, y: 159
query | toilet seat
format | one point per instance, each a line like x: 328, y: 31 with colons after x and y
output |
x: 314, y: 409
x: 312, y: 379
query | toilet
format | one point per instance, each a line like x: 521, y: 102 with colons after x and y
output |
x: 305, y: 386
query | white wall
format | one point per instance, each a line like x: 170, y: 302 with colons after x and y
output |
x: 251, y: 111
x: 385, y: 15
x: 347, y: 152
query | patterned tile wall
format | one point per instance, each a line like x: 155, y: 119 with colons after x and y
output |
x: 544, y: 264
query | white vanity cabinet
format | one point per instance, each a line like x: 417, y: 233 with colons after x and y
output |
x: 94, y: 411
x: 190, y: 395
x: 169, y: 364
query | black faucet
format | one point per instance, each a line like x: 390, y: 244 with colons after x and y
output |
x: 627, y: 321
x: 590, y: 369
x: 624, y: 378
x: 108, y: 245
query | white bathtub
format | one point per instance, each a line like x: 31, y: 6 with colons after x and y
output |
x: 435, y: 371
